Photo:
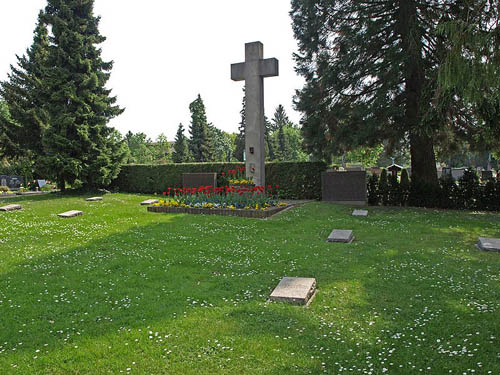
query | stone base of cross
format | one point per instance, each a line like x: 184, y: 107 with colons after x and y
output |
x: 253, y: 71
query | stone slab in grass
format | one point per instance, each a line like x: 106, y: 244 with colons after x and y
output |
x: 72, y: 213
x: 257, y: 214
x: 149, y: 202
x: 341, y: 235
x: 360, y: 213
x: 295, y: 290
x: 94, y: 199
x: 488, y: 244
x: 11, y: 207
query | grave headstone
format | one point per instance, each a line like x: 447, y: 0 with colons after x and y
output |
x: 295, y: 290
x: 488, y: 244
x: 486, y: 175
x: 149, y: 202
x: 457, y: 173
x: 253, y: 71
x: 12, y: 182
x: 72, y: 213
x: 11, y: 207
x: 94, y: 199
x: 341, y: 235
x: 344, y: 187
x: 360, y: 213
x: 41, y: 183
x: 195, y: 180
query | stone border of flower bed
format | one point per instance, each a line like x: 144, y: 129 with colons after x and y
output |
x: 257, y: 214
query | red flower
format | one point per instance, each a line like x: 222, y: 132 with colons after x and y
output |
x: 223, y: 173
x: 276, y: 186
x: 164, y: 193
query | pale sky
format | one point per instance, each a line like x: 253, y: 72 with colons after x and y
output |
x: 166, y: 52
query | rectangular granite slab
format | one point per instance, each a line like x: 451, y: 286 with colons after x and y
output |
x: 296, y: 290
x: 360, y: 213
x: 72, y: 213
x: 94, y: 199
x: 488, y: 244
x: 11, y: 207
x: 149, y: 202
x: 341, y: 235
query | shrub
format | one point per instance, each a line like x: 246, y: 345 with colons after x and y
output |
x: 297, y: 180
x: 4, y: 189
x: 372, y: 186
x: 383, y: 188
x: 469, y: 189
x: 395, y: 198
x: 405, y: 187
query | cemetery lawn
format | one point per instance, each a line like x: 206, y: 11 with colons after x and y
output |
x: 121, y: 290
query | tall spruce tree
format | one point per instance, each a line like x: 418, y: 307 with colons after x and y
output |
x: 200, y: 143
x: 21, y: 132
x: 371, y: 73
x: 78, y: 144
x: 280, y: 118
x: 181, y: 149
x: 239, y: 147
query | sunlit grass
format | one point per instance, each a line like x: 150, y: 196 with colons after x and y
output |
x: 121, y: 290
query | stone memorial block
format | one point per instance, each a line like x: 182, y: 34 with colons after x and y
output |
x: 12, y: 182
x: 488, y: 244
x: 94, y: 199
x: 196, y: 180
x: 344, y: 187
x: 486, y: 175
x: 457, y: 173
x: 360, y: 213
x: 296, y: 290
x: 149, y: 202
x: 72, y: 213
x: 341, y: 235
x: 11, y: 207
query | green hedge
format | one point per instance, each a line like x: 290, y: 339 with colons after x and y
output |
x: 300, y: 180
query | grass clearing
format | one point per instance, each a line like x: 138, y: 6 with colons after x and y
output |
x: 121, y: 290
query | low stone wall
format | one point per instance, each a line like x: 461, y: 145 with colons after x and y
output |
x: 258, y: 214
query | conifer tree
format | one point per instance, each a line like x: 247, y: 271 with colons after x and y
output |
x: 181, y: 150
x: 78, y: 144
x: 280, y: 118
x: 22, y: 92
x: 201, y: 143
x: 239, y: 147
x: 371, y: 70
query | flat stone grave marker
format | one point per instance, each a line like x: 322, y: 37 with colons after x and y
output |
x: 360, y: 213
x: 71, y: 213
x: 94, y: 199
x: 341, y: 235
x: 488, y: 244
x: 149, y: 202
x: 296, y: 290
x: 11, y: 207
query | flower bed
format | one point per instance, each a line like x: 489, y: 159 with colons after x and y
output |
x: 239, y: 198
x: 259, y: 214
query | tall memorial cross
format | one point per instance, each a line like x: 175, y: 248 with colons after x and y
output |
x: 253, y: 71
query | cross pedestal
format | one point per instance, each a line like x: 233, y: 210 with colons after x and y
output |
x: 253, y: 71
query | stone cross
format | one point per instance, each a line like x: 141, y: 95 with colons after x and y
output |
x: 253, y: 71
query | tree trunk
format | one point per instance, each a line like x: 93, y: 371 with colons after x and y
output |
x: 423, y: 160
x: 61, y: 184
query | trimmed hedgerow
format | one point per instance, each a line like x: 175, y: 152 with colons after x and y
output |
x: 468, y: 193
x: 296, y: 180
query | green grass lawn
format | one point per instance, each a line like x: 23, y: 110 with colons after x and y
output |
x: 121, y: 290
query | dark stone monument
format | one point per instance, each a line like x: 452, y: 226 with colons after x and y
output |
x: 195, y: 180
x: 344, y: 187
x: 12, y: 182
x: 486, y: 175
x: 488, y: 244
